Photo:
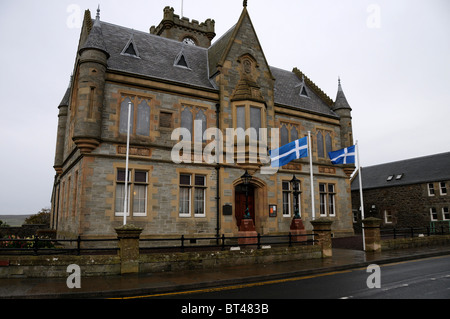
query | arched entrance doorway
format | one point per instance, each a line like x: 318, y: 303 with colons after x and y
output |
x: 240, y: 203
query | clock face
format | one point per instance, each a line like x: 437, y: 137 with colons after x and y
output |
x: 189, y: 41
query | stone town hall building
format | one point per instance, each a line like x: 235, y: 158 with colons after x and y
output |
x: 173, y: 76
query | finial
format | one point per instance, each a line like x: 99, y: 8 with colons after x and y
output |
x: 98, y: 13
x: 245, y: 3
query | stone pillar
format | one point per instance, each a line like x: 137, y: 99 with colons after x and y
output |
x: 128, y: 236
x: 322, y: 227
x: 248, y: 232
x: 371, y: 229
x: 297, y: 230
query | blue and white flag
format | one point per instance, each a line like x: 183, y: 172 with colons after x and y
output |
x: 344, y: 156
x: 289, y: 152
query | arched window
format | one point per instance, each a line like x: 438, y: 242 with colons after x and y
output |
x: 123, y: 126
x: 320, y: 152
x: 201, y: 117
x: 143, y: 119
x: 294, y: 134
x: 284, y: 134
x: 328, y: 143
x: 186, y: 119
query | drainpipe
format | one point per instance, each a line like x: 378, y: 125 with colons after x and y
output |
x: 218, y: 174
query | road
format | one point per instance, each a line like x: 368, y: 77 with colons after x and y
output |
x: 417, y: 279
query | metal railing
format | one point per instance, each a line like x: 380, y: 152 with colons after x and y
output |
x: 411, y: 232
x: 40, y: 246
x: 223, y: 242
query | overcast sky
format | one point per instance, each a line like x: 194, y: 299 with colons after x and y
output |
x: 393, y: 58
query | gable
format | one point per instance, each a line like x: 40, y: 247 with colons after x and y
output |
x: 238, y: 41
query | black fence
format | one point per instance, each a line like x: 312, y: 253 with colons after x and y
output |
x: 183, y: 243
x: 38, y: 246
x: 411, y: 232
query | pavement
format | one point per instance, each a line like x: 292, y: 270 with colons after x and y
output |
x: 138, y: 286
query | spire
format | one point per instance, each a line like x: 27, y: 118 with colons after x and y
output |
x: 95, y: 37
x: 341, y: 100
x: 245, y: 4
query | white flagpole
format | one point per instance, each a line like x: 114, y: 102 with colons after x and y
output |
x: 126, y: 167
x: 361, y: 194
x: 312, y: 175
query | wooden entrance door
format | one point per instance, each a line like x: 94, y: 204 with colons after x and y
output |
x: 240, y: 203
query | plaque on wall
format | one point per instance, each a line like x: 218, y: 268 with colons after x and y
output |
x: 227, y: 210
x: 272, y: 210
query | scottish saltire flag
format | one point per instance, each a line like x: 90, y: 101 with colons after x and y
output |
x: 289, y: 152
x: 344, y: 156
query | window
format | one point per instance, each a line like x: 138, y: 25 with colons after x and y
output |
x: 327, y: 197
x: 136, y: 192
x: 139, y: 116
x: 324, y: 144
x: 387, y: 217
x: 249, y: 116
x: 433, y: 214
x: 189, y: 114
x: 288, y: 133
x: 197, y: 183
x: 390, y: 178
x: 443, y: 188
x: 288, y: 200
x: 445, y: 213
x: 430, y: 189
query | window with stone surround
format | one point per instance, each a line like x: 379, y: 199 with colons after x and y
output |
x: 288, y: 199
x: 324, y: 143
x: 192, y: 195
x: 189, y: 116
x: 249, y: 115
x: 430, y: 189
x: 288, y: 133
x: 327, y: 196
x: 443, y: 188
x: 433, y: 214
x: 445, y: 213
x: 139, y: 115
x: 136, y: 192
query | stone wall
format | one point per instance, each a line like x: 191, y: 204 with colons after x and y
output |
x: 409, y: 205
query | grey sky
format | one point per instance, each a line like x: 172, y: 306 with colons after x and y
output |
x: 393, y: 58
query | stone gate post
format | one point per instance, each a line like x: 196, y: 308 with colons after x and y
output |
x: 128, y: 236
x: 322, y: 227
x: 371, y: 229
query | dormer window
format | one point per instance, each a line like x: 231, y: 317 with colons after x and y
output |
x: 303, y: 92
x: 130, y: 49
x: 181, y: 61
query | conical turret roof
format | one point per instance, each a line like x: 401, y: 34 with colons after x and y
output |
x: 341, y: 100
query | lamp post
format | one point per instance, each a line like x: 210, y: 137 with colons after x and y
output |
x: 246, y: 177
x: 296, y: 187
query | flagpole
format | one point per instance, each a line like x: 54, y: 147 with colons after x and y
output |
x: 361, y: 195
x: 312, y: 176
x: 126, y: 166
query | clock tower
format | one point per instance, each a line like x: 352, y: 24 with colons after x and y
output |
x: 184, y: 30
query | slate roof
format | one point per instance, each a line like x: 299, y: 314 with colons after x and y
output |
x: 157, y: 56
x: 433, y: 168
x: 287, y: 92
